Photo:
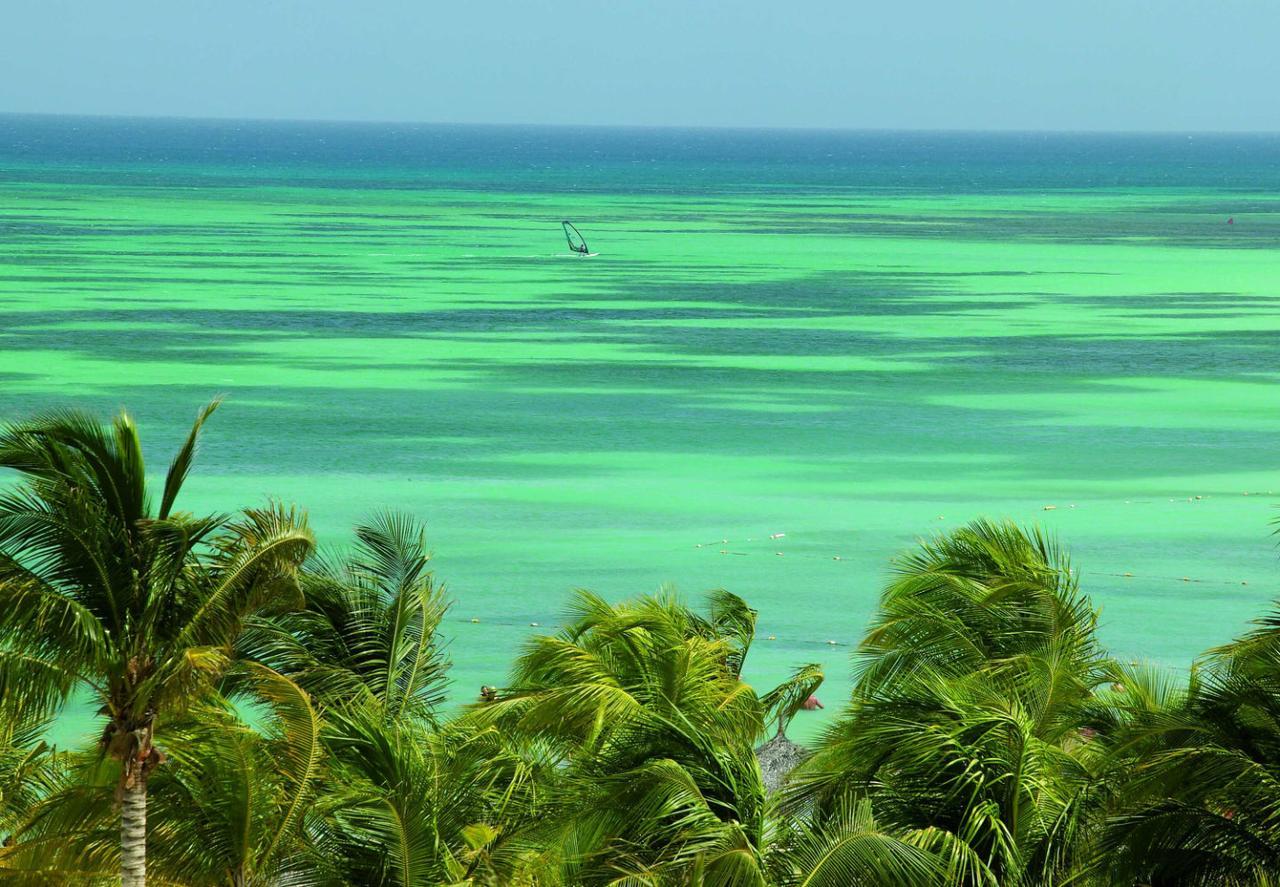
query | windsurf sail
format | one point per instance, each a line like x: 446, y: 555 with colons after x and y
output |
x: 577, y: 242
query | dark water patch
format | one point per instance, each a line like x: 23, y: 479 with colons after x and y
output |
x: 116, y: 228
x: 1209, y: 300
x: 119, y: 281
x: 1221, y: 355
x: 238, y: 252
x: 1079, y: 228
x: 483, y: 434
x: 379, y: 217
x: 856, y: 294
x: 328, y: 324
x: 1193, y: 315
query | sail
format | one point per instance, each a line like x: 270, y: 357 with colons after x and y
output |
x: 577, y: 242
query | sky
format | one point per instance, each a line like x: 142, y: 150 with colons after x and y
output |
x: 1178, y: 65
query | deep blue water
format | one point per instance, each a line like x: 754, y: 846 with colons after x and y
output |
x: 618, y: 159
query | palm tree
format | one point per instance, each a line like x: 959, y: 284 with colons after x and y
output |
x: 229, y: 812
x: 367, y: 630
x: 849, y: 847
x: 1199, y: 802
x: 30, y: 770
x: 786, y: 700
x: 138, y: 605
x: 413, y: 800
x: 989, y: 595
x: 413, y: 806
x: 964, y: 729
x: 232, y: 814
x: 643, y: 702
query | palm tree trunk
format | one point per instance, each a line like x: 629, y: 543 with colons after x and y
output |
x: 133, y: 833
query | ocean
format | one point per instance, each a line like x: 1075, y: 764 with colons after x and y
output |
x: 795, y: 354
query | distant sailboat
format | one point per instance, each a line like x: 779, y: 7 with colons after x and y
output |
x: 577, y: 242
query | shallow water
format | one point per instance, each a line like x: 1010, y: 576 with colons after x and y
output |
x: 850, y: 339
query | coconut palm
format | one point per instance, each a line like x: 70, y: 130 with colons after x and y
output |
x: 30, y: 770
x: 233, y: 809
x: 229, y: 811
x: 988, y: 596
x: 1200, y: 801
x: 972, y: 687
x: 786, y: 700
x: 656, y: 730
x: 105, y: 592
x: 367, y: 631
x: 849, y: 847
x: 412, y: 806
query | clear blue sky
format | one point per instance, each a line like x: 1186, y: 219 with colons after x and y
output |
x: 984, y: 64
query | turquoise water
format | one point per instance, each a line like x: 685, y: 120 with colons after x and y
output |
x: 849, y: 339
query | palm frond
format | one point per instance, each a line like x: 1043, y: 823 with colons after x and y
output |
x: 180, y: 467
x: 785, y: 700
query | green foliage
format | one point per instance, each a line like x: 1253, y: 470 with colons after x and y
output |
x: 284, y: 711
x: 420, y: 807
x: 972, y: 687
x: 367, y: 628
x: 1201, y: 799
x: 100, y: 593
x: 784, y: 701
x: 643, y: 703
x: 848, y: 847
x: 30, y: 770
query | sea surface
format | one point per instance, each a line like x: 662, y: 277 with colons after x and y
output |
x: 795, y: 354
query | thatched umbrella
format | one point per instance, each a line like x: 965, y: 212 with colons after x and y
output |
x: 778, y: 757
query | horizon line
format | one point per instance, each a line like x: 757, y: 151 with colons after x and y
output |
x: 196, y: 118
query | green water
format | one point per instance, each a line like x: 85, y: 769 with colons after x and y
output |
x: 853, y: 366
